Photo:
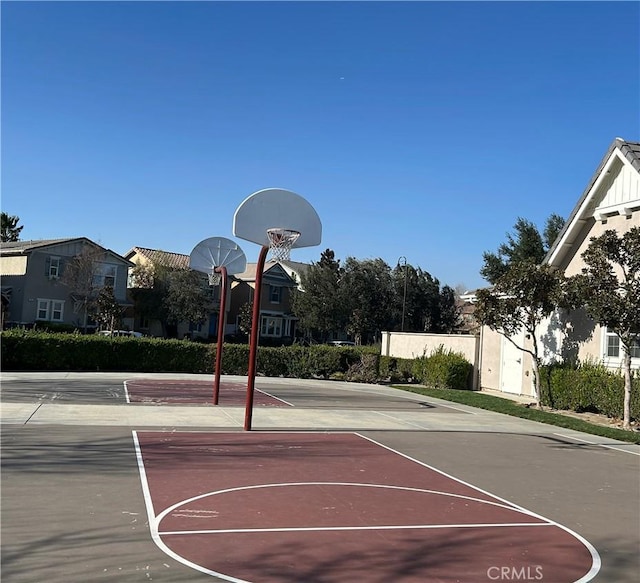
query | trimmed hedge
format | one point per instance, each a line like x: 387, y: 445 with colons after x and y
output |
x: 588, y: 387
x: 33, y: 350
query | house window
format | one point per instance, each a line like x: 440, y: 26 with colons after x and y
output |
x: 50, y: 310
x: 105, y: 275
x: 271, y: 326
x: 54, y: 267
x: 275, y: 295
x: 613, y: 347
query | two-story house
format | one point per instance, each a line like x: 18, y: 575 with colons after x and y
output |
x: 35, y: 289
x: 154, y: 259
x: 611, y: 200
x: 279, y: 279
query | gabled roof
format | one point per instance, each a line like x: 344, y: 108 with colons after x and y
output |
x: 158, y: 257
x: 26, y: 247
x: 20, y: 247
x: 273, y: 268
x: 627, y: 153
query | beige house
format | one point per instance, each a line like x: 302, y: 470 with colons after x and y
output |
x: 279, y: 279
x: 154, y: 258
x: 611, y: 200
x: 34, y: 289
x: 277, y: 324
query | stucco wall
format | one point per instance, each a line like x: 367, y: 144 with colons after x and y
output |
x: 414, y: 345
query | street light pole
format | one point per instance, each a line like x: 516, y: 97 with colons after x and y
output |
x: 403, y: 259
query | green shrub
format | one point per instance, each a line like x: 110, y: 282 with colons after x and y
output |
x: 443, y: 369
x: 588, y: 387
x: 395, y: 370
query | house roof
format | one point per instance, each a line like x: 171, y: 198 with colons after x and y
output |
x: 628, y: 152
x: 289, y: 267
x: 158, y: 257
x: 20, y: 247
x: 25, y: 247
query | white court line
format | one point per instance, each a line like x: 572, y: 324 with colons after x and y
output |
x: 595, y: 556
x: 506, y: 506
x: 598, y: 444
x: 400, y: 420
x: 153, y: 523
x: 331, y: 528
x: 274, y: 397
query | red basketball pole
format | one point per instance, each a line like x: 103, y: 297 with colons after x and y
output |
x: 253, y: 342
x: 222, y: 270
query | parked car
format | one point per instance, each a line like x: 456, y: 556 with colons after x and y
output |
x: 112, y: 333
x: 341, y: 343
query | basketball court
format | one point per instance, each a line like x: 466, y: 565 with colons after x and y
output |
x: 348, y: 482
x: 337, y: 507
x: 190, y: 392
x: 124, y: 478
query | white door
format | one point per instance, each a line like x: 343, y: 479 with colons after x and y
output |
x: 511, y: 369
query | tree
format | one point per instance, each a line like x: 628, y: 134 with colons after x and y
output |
x: 319, y: 308
x: 525, y: 244
x: 187, y: 298
x: 79, y: 275
x: 148, y: 290
x: 245, y: 318
x: 108, y: 311
x: 10, y: 230
x: 368, y: 294
x: 448, y: 311
x: 519, y: 300
x: 609, y: 287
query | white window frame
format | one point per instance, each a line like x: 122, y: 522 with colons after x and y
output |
x: 609, y: 340
x: 53, y: 310
x: 54, y: 267
x: 277, y: 326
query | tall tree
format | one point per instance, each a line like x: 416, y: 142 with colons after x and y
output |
x: 448, y: 311
x: 80, y: 276
x: 10, y: 230
x: 524, y: 244
x: 368, y: 293
x: 320, y: 308
x: 609, y: 287
x: 519, y: 300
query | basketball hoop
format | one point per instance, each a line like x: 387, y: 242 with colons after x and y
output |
x: 214, y: 278
x: 281, y: 242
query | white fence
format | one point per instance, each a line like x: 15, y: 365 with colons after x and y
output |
x: 414, y: 345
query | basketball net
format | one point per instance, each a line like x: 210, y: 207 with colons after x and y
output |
x: 281, y: 242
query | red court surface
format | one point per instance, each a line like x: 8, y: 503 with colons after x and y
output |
x: 189, y: 392
x: 338, y: 507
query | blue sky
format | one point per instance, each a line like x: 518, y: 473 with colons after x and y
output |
x: 416, y: 129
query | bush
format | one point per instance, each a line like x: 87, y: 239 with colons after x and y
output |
x: 443, y: 369
x: 588, y: 387
x: 27, y: 350
x: 395, y: 370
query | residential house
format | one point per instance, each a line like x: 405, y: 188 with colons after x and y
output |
x: 279, y: 279
x: 611, y: 200
x: 34, y: 289
x: 155, y: 258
